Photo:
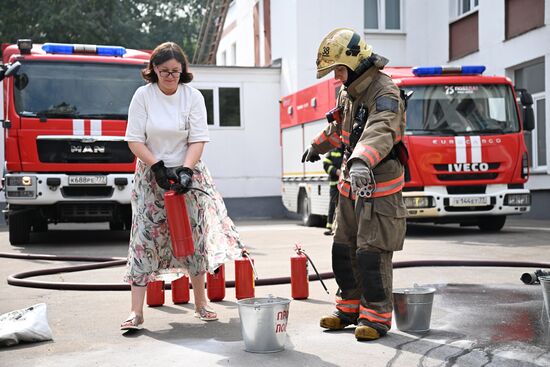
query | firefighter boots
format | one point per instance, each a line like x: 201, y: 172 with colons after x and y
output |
x: 364, y: 332
x: 337, y: 321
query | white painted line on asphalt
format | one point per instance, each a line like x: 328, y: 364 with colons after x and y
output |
x: 280, y: 227
x: 529, y: 228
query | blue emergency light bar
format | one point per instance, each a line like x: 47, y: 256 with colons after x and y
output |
x: 67, y: 48
x: 443, y: 70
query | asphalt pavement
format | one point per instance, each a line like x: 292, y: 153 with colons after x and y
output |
x: 481, y: 315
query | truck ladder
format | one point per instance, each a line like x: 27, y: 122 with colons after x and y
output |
x: 211, y: 32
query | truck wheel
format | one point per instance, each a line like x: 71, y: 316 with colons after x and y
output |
x: 19, y: 228
x: 308, y: 219
x: 492, y: 224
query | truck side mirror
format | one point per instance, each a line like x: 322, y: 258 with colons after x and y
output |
x: 526, y: 101
x: 528, y: 118
x: 12, y: 69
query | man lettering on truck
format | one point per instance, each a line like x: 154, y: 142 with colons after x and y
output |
x: 370, y: 217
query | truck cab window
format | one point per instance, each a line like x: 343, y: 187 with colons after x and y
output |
x: 63, y: 89
x: 461, y: 109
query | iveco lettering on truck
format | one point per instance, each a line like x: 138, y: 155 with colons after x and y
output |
x: 468, y: 161
x: 65, y: 114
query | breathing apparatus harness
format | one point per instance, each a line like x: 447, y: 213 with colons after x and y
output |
x: 398, y: 151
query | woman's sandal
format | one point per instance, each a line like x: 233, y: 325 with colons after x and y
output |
x: 133, y: 322
x: 206, y: 314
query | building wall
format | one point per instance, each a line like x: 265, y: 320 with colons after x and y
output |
x: 245, y: 161
x: 238, y: 30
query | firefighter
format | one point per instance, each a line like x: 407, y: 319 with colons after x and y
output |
x: 332, y: 163
x: 370, y: 221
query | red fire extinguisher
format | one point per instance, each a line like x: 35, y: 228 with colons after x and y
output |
x: 179, y: 225
x: 299, y: 279
x: 155, y: 293
x: 244, y: 276
x: 215, y: 284
x: 298, y: 275
x: 180, y: 290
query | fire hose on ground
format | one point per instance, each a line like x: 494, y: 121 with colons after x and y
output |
x: 21, y: 279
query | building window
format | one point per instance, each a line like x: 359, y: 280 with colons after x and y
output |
x: 230, y: 106
x: 465, y: 6
x: 382, y: 15
x: 539, y: 133
x: 532, y: 78
x: 208, y: 95
x: 223, y: 106
x: 464, y: 36
x: 522, y: 16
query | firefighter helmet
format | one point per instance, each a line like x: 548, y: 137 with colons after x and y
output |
x: 342, y: 46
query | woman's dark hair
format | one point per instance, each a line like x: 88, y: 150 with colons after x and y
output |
x: 162, y: 53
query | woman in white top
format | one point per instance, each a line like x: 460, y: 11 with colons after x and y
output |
x: 167, y: 131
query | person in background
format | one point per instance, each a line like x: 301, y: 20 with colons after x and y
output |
x: 167, y: 131
x: 370, y: 221
x: 332, y: 163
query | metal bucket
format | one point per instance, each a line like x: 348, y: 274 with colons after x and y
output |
x: 263, y: 323
x: 413, y: 308
x: 545, y: 285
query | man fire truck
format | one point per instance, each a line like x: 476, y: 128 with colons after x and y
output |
x: 65, y: 112
x: 468, y: 159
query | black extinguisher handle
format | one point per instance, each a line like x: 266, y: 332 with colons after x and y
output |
x: 299, y: 250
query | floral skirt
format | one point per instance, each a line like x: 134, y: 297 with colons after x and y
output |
x: 150, y: 255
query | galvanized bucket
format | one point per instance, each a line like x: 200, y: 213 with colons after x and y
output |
x: 545, y: 285
x: 413, y: 308
x: 263, y: 323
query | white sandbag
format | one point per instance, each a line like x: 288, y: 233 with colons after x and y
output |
x: 26, y: 325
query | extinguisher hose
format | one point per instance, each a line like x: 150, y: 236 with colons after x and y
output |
x: 315, y: 269
x: 19, y: 279
x: 200, y: 190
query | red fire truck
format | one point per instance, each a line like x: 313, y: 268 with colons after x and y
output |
x: 65, y: 115
x: 468, y: 159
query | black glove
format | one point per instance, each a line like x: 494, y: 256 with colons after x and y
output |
x: 162, y: 175
x: 310, y: 155
x: 185, y: 180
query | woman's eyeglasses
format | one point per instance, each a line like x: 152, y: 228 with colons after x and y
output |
x: 166, y: 74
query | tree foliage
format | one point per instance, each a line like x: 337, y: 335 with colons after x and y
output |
x: 140, y: 24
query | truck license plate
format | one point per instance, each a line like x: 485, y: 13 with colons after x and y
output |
x: 87, y: 180
x: 470, y: 201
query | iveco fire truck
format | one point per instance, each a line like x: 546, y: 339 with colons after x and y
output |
x: 468, y: 159
x: 65, y: 115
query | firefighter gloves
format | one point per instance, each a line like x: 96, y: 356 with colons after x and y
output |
x: 162, y: 175
x: 360, y: 176
x: 310, y: 155
x: 184, y: 180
